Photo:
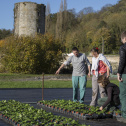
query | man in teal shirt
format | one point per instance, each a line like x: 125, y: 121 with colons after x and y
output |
x: 78, y: 61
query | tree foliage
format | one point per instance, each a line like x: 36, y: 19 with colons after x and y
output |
x: 83, y: 29
x: 4, y: 33
x: 31, y: 55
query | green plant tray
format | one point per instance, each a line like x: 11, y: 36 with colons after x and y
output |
x: 77, y: 114
x: 20, y: 114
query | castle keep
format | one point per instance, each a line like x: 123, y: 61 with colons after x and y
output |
x: 29, y: 18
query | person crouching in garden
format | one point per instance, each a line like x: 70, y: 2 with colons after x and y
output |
x: 78, y: 61
x: 112, y: 100
x: 100, y: 66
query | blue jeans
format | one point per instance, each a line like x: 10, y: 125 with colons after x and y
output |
x: 82, y: 80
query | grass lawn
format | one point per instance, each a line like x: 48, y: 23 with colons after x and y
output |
x: 6, y: 81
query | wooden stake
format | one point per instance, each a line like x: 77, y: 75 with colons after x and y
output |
x: 42, y: 86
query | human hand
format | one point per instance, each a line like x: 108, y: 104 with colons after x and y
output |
x: 57, y: 72
x: 89, y: 74
x: 101, y: 108
x: 119, y: 78
x: 107, y: 76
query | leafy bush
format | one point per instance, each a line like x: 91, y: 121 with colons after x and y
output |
x: 31, y: 55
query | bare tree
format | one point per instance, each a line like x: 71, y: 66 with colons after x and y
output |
x: 65, y: 11
x: 47, y: 23
x: 65, y: 5
x: 59, y: 22
x: 61, y: 6
x: 47, y: 9
x: 86, y: 10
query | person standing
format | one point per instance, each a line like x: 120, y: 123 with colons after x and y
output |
x: 78, y: 61
x: 121, y: 76
x: 100, y: 66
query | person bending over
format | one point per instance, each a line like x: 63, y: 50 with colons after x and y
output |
x: 112, y: 90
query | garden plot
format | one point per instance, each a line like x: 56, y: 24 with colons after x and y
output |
x: 19, y: 114
x: 78, y: 110
x: 33, y: 95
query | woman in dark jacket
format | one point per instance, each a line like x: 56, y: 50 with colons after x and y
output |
x: 112, y: 100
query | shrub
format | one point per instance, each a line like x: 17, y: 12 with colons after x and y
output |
x: 31, y: 55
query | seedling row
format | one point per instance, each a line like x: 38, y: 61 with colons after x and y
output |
x: 78, y: 110
x: 20, y: 114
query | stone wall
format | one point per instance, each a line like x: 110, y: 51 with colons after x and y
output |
x: 113, y: 59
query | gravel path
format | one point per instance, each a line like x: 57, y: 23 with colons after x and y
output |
x: 51, y: 77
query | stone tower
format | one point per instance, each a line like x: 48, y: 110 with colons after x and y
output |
x: 29, y: 18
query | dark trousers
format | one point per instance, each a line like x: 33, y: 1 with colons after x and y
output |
x: 111, y: 106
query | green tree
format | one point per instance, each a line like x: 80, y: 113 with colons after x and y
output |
x: 83, y: 29
x: 31, y: 55
x: 4, y: 33
x: 103, y: 34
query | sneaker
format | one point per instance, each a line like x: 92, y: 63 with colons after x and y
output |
x: 121, y: 119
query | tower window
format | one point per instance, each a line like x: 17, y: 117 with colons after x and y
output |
x: 38, y: 13
x: 38, y: 30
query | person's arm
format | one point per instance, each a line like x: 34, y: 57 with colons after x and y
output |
x: 57, y: 72
x: 89, y: 69
x: 64, y: 64
x: 108, y: 70
x: 109, y: 92
x: 122, y: 62
x: 89, y: 66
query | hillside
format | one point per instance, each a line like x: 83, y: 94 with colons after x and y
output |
x: 89, y: 28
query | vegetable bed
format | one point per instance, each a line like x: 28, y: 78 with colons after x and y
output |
x: 78, y: 110
x: 20, y: 114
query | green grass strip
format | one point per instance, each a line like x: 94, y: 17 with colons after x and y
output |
x: 47, y: 84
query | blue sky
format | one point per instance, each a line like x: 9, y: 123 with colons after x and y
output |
x: 7, y: 6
